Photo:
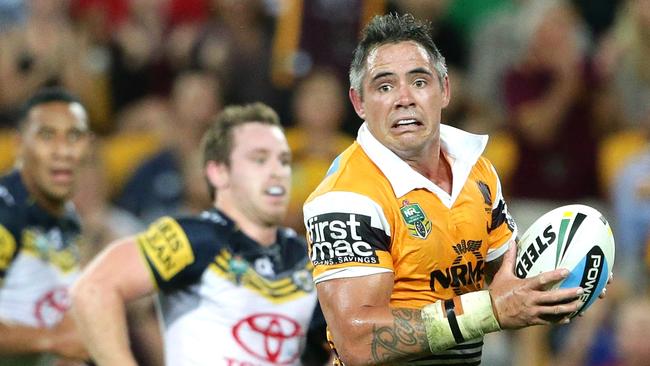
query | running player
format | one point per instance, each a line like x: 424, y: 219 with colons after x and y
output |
x: 410, y: 221
x: 235, y: 288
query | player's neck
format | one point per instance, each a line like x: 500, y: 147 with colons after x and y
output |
x: 54, y: 207
x: 435, y: 167
x: 264, y: 235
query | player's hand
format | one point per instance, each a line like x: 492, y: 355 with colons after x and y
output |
x: 66, y: 341
x: 519, y: 303
x: 604, y: 293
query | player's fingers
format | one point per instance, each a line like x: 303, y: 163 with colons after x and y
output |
x: 547, y: 279
x: 603, y: 294
x: 557, y: 311
x: 559, y: 296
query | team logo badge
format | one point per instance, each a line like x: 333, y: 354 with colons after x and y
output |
x: 417, y: 222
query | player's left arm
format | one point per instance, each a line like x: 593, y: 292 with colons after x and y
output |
x: 492, y: 267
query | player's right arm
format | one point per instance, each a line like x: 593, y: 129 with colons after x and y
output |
x: 116, y: 276
x: 364, y: 328
x: 367, y: 331
x: 355, y: 297
x: 62, y: 340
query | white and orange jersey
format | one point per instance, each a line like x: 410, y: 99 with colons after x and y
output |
x: 373, y: 213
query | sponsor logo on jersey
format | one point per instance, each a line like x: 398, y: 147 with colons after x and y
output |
x: 7, y: 247
x: 167, y: 247
x: 303, y: 280
x: 461, y: 277
x: 50, y: 308
x: 273, y: 338
x: 337, y: 238
x: 51, y: 247
x: 418, y: 224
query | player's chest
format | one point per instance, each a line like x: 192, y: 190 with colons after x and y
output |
x: 426, y: 228
x: 256, y: 281
x: 53, y: 245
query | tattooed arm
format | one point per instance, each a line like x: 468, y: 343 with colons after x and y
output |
x: 365, y: 329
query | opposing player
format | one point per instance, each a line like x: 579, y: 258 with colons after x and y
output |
x: 410, y: 221
x: 39, y: 228
x: 235, y: 288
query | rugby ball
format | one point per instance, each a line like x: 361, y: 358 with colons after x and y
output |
x: 575, y: 237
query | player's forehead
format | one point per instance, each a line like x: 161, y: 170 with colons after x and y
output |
x: 58, y: 115
x: 399, y: 55
x: 251, y: 136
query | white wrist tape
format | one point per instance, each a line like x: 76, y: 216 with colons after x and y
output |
x: 460, y: 319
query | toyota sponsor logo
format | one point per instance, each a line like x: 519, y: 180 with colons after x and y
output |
x: 49, y: 309
x: 273, y: 338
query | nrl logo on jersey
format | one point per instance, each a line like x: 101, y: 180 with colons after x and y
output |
x: 417, y: 222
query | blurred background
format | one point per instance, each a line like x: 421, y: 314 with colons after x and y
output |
x: 561, y: 86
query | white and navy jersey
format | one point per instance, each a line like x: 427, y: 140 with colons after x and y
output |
x: 39, y: 260
x: 226, y: 300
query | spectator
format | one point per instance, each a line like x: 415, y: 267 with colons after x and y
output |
x: 158, y: 185
x: 549, y: 103
x: 39, y: 52
x: 316, y: 139
x: 631, y: 203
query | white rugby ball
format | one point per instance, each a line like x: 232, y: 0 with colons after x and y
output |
x: 575, y: 237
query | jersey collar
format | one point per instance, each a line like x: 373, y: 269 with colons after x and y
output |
x: 461, y: 148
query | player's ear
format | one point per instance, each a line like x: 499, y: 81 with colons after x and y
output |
x: 357, y: 102
x: 218, y: 174
x: 446, y: 91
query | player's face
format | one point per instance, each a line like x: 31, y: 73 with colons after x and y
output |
x: 54, y: 141
x: 402, y: 98
x: 260, y: 173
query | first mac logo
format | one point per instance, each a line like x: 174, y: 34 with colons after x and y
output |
x: 339, y: 238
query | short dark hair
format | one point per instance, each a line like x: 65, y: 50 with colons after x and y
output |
x: 393, y: 28
x: 43, y: 96
x: 218, y: 139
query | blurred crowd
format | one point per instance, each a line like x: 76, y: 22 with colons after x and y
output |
x: 561, y: 86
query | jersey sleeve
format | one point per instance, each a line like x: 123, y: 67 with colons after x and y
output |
x: 348, y: 235
x: 8, y: 232
x: 175, y: 251
x: 502, y: 229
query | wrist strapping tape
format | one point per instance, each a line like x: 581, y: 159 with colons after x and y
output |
x: 460, y: 319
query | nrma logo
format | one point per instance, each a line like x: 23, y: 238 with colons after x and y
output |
x: 337, y: 238
x: 462, y: 274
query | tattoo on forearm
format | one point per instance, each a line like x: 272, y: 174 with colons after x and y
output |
x: 405, y: 339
